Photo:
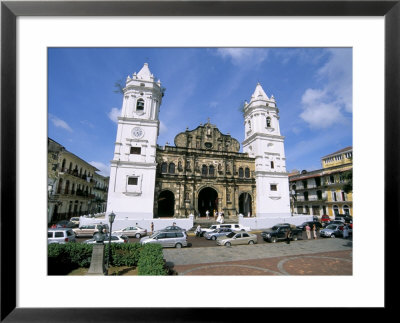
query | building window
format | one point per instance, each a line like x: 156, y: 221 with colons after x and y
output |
x: 299, y: 210
x: 211, y: 170
x: 164, y: 167
x: 346, y: 210
x: 274, y: 187
x: 247, y: 172
x: 335, y: 210
x: 204, y: 170
x: 334, y: 197
x: 305, y: 196
x: 319, y: 195
x: 268, y: 122
x: 132, y: 181
x: 317, y: 181
x: 241, y: 174
x: 171, y: 168
x: 343, y: 196
x: 140, y: 105
x: 136, y: 150
x: 272, y: 165
x: 332, y: 179
x: 307, y: 209
x: 304, y: 184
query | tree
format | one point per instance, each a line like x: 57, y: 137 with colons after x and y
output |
x: 348, y: 177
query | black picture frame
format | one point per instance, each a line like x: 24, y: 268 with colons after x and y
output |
x: 10, y: 10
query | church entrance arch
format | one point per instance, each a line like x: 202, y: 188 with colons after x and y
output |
x: 208, y: 200
x: 166, y: 204
x: 245, y: 205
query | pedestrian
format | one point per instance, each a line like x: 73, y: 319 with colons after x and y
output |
x: 198, y: 231
x: 215, y: 215
x: 222, y: 218
x: 345, y: 232
x: 152, y: 227
x: 219, y: 218
x: 288, y: 236
x: 308, y: 231
x: 314, y: 229
x: 208, y: 214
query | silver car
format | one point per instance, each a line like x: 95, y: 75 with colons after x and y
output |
x: 135, y: 231
x: 217, y: 233
x: 60, y: 235
x: 177, y: 239
x: 114, y: 239
x: 235, y: 238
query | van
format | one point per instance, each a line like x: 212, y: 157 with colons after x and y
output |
x: 60, y: 235
x: 177, y: 239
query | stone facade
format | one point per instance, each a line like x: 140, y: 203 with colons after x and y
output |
x: 204, y: 171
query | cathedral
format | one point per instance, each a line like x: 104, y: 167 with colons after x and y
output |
x: 203, y: 171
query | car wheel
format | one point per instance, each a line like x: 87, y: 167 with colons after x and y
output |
x: 294, y: 238
x: 213, y: 238
x: 333, y: 236
x: 137, y: 235
x: 273, y: 239
x: 251, y: 242
x: 227, y: 244
x: 178, y: 245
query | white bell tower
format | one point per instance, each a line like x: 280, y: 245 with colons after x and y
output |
x: 263, y: 141
x: 133, y: 168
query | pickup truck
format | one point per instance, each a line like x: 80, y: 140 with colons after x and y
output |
x: 279, y: 231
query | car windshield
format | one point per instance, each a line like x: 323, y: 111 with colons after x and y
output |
x: 331, y: 226
x: 230, y: 235
x: 154, y: 235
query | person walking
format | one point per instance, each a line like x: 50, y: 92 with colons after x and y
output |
x: 345, y: 232
x: 198, y: 231
x: 152, y: 227
x: 308, y: 231
x: 314, y: 229
x: 208, y: 214
x: 288, y: 236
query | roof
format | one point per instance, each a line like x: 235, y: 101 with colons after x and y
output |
x: 339, y: 151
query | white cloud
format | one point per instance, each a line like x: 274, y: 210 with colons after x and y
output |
x: 59, y: 123
x: 326, y: 106
x: 240, y: 56
x: 103, y: 168
x: 114, y: 114
x: 163, y: 127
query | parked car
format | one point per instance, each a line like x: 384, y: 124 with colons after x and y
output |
x: 173, y: 228
x: 213, y: 235
x: 302, y: 226
x: 65, y: 224
x: 135, y: 231
x: 236, y: 238
x: 74, y: 220
x: 325, y: 219
x: 332, y: 231
x: 345, y: 218
x: 89, y: 230
x: 177, y: 239
x: 279, y: 232
x: 114, y: 239
x: 60, y: 235
x: 232, y: 226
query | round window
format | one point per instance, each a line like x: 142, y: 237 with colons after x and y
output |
x: 208, y: 145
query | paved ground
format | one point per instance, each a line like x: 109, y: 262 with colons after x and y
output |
x: 303, y: 257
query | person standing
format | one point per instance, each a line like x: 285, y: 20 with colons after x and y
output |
x: 314, y: 229
x: 198, y: 231
x: 208, y: 214
x: 345, y: 232
x: 288, y: 235
x: 308, y: 231
x: 152, y: 227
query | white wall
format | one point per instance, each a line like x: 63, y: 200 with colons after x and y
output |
x: 256, y: 223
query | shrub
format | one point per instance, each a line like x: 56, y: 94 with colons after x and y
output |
x: 151, y: 261
x: 124, y: 254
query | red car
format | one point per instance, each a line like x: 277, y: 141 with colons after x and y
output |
x: 325, y: 219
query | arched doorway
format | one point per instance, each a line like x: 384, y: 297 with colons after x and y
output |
x: 208, y: 200
x: 245, y: 205
x: 166, y: 204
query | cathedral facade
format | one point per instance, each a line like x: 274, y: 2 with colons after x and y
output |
x: 204, y: 170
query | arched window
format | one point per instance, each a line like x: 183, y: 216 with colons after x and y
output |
x: 335, y: 210
x: 247, y: 172
x: 59, y: 185
x: 268, y: 122
x: 140, y: 105
x: 164, y: 167
x: 171, y: 168
x: 204, y: 170
x: 66, y: 187
x: 211, y: 170
x: 346, y: 210
x: 241, y: 172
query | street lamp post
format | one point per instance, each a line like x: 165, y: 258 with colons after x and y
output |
x: 111, y: 218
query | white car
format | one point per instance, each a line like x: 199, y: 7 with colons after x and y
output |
x: 60, y: 235
x: 232, y: 226
x: 74, y: 220
x: 114, y: 239
x: 135, y: 231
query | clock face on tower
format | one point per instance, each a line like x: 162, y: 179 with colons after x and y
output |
x: 137, y: 132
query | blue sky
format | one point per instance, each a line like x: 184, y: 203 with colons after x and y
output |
x: 312, y: 88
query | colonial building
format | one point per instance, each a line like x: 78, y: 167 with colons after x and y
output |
x: 204, y: 170
x: 323, y: 191
x: 71, y: 185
